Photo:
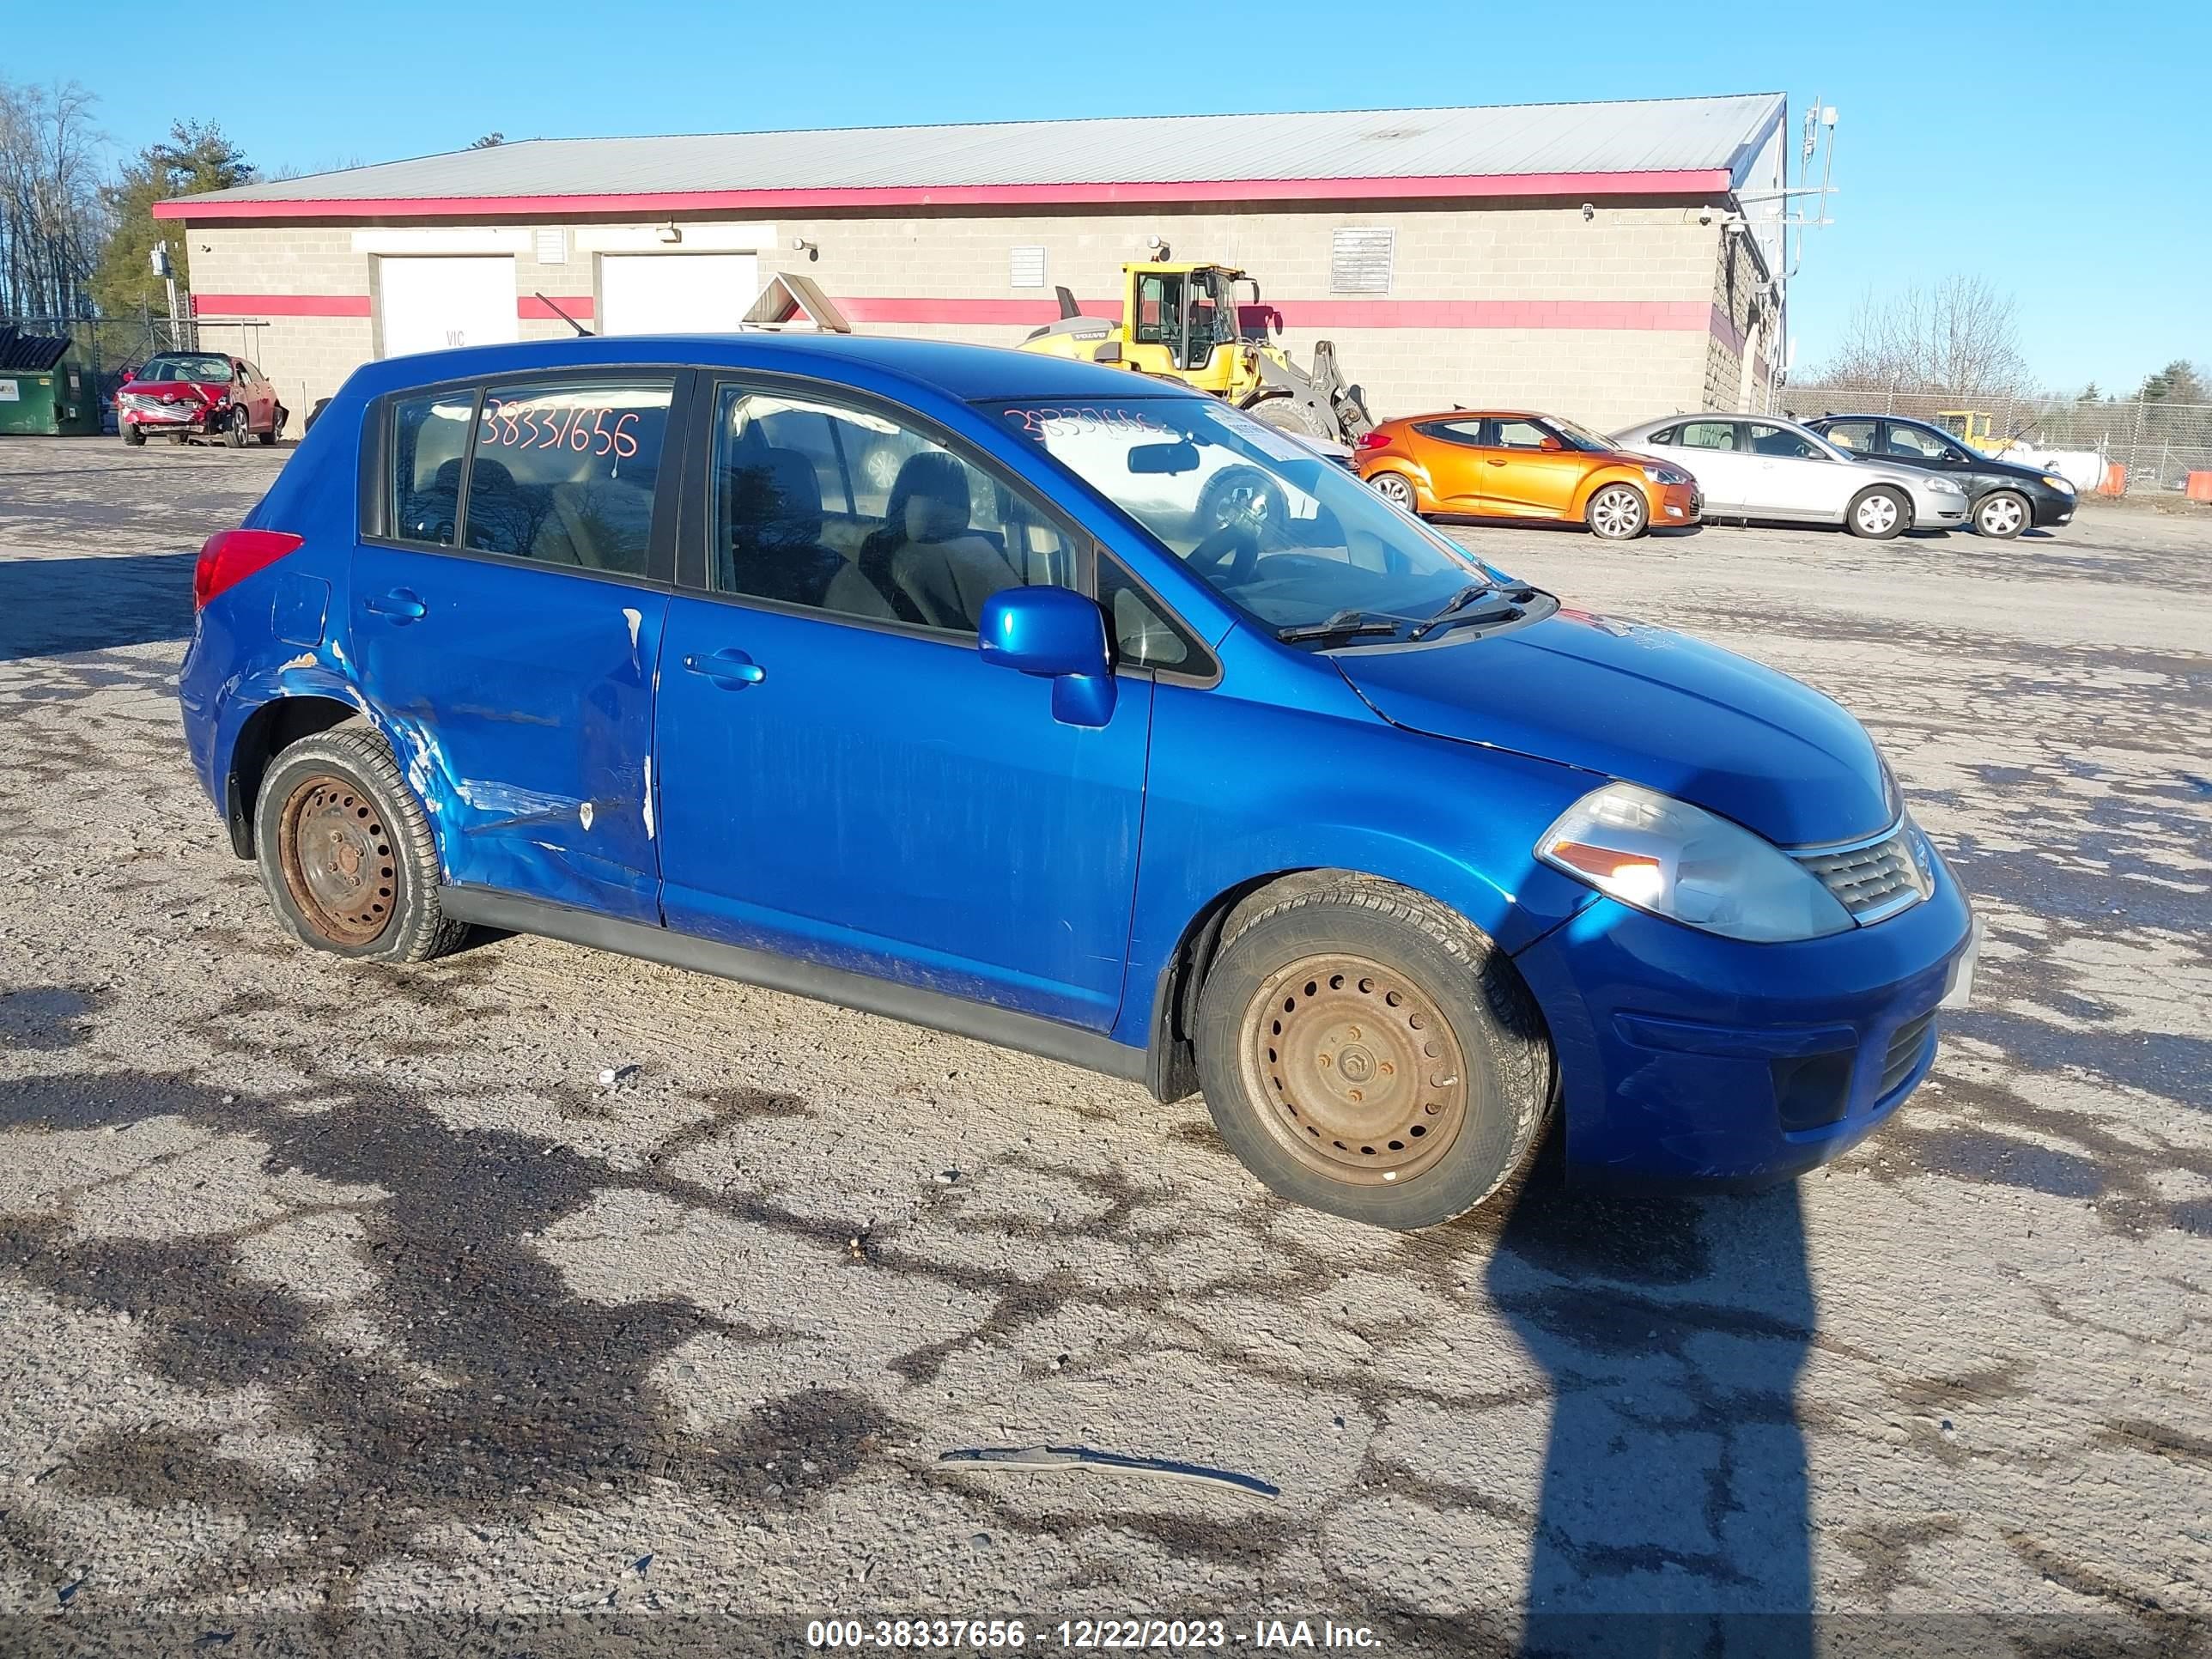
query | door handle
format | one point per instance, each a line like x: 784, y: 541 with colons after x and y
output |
x: 398, y: 605
x: 730, y: 669
x: 1496, y: 463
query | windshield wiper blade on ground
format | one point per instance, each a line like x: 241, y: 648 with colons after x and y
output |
x: 1344, y: 624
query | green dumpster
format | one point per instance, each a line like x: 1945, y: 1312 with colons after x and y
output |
x: 43, y: 390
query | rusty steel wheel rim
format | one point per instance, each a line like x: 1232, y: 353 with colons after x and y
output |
x: 1355, y: 1068
x: 335, y: 854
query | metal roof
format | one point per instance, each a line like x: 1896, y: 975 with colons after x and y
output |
x: 1716, y: 138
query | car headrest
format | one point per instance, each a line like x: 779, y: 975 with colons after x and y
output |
x: 775, y: 500
x: 931, y: 476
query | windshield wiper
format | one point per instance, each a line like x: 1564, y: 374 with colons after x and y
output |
x: 1460, y: 608
x: 1344, y: 624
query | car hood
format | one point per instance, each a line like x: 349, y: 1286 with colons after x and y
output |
x: 1648, y: 705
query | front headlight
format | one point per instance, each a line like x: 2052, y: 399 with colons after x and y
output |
x: 2063, y: 486
x: 1666, y: 475
x: 1944, y: 486
x: 1682, y: 862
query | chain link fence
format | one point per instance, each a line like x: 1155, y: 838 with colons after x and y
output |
x: 2157, y: 444
x: 104, y: 346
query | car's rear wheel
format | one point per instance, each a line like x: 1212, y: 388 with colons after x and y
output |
x: 1618, y: 513
x: 2001, y: 513
x: 1878, y: 513
x: 239, y: 429
x: 1396, y: 488
x: 133, y: 437
x: 346, y: 852
x: 275, y: 427
x: 1365, y: 1052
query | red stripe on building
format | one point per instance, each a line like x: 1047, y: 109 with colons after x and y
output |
x: 1452, y: 186
x: 1684, y: 315
x: 531, y: 309
x: 279, y: 305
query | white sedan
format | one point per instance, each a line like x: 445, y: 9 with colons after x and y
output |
x: 1760, y: 466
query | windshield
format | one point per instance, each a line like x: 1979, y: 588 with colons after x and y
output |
x: 196, y: 366
x: 1273, y: 526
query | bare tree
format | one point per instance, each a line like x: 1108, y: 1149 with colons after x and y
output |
x: 1960, y: 337
x: 51, y: 215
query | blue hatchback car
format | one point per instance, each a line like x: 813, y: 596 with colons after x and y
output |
x: 1026, y: 699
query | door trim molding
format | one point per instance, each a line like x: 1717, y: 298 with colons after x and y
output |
x: 512, y: 911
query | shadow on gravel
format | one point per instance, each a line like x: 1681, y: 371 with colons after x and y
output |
x: 56, y: 607
x: 1675, y: 1511
x: 465, y: 1387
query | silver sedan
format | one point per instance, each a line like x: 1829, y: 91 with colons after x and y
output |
x: 1761, y: 467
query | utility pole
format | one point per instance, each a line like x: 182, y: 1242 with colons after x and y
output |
x: 166, y: 268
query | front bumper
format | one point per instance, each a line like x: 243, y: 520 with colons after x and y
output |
x: 172, y: 418
x: 1677, y: 504
x: 1685, y: 1056
x: 2049, y: 508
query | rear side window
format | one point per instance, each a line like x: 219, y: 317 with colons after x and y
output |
x: 564, y: 474
x: 1452, y: 431
x: 1855, y: 436
x: 1709, y: 435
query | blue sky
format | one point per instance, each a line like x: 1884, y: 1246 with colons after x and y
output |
x: 2058, y: 149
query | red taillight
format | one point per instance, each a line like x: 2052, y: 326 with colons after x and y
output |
x: 229, y: 557
x: 1374, y: 441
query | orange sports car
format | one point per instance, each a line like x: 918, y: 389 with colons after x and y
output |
x: 1509, y: 464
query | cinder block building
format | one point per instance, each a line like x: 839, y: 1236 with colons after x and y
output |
x: 1604, y: 261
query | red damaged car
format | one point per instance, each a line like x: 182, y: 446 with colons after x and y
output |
x: 198, y: 394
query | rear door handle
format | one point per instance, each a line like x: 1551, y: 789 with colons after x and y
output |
x: 729, y: 668
x: 398, y: 605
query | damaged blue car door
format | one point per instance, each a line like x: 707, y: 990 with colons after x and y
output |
x: 846, y: 775
x: 507, y: 595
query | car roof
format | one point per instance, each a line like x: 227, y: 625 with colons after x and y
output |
x: 1471, y: 415
x: 963, y: 372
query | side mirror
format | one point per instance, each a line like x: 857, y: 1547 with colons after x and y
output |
x: 1109, y: 353
x: 128, y: 376
x: 1054, y: 633
x: 1551, y: 445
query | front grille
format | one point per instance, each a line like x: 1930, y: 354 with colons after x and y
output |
x: 1872, y: 880
x: 1905, y: 1049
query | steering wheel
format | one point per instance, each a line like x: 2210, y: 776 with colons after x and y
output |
x: 1238, y: 541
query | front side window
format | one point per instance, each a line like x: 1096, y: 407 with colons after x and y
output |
x: 1916, y: 443
x: 1273, y: 526
x: 845, y: 509
x: 1521, y: 434
x: 564, y: 474
x: 1780, y: 441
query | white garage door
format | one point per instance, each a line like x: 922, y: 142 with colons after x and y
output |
x: 677, y: 293
x: 429, y: 304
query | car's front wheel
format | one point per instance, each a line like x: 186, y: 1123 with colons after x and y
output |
x: 2001, y: 513
x: 1618, y: 513
x: 1365, y: 1052
x: 1879, y: 513
x: 346, y: 852
x: 133, y: 436
x: 240, y: 427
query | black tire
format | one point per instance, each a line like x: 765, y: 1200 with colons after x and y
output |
x: 1287, y: 414
x: 345, y: 784
x: 276, y: 427
x: 2002, y: 514
x: 1618, y: 512
x: 133, y: 438
x: 239, y: 427
x: 1866, y: 517
x: 1502, y: 1075
x: 1398, y: 490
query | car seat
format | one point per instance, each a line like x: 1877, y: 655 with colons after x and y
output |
x: 776, y: 549
x: 927, y: 561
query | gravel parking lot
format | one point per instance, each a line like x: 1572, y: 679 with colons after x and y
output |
x: 336, y: 1303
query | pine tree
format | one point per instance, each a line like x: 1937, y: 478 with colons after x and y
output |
x: 196, y: 158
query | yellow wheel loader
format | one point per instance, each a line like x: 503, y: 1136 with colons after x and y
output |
x: 1180, y: 322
